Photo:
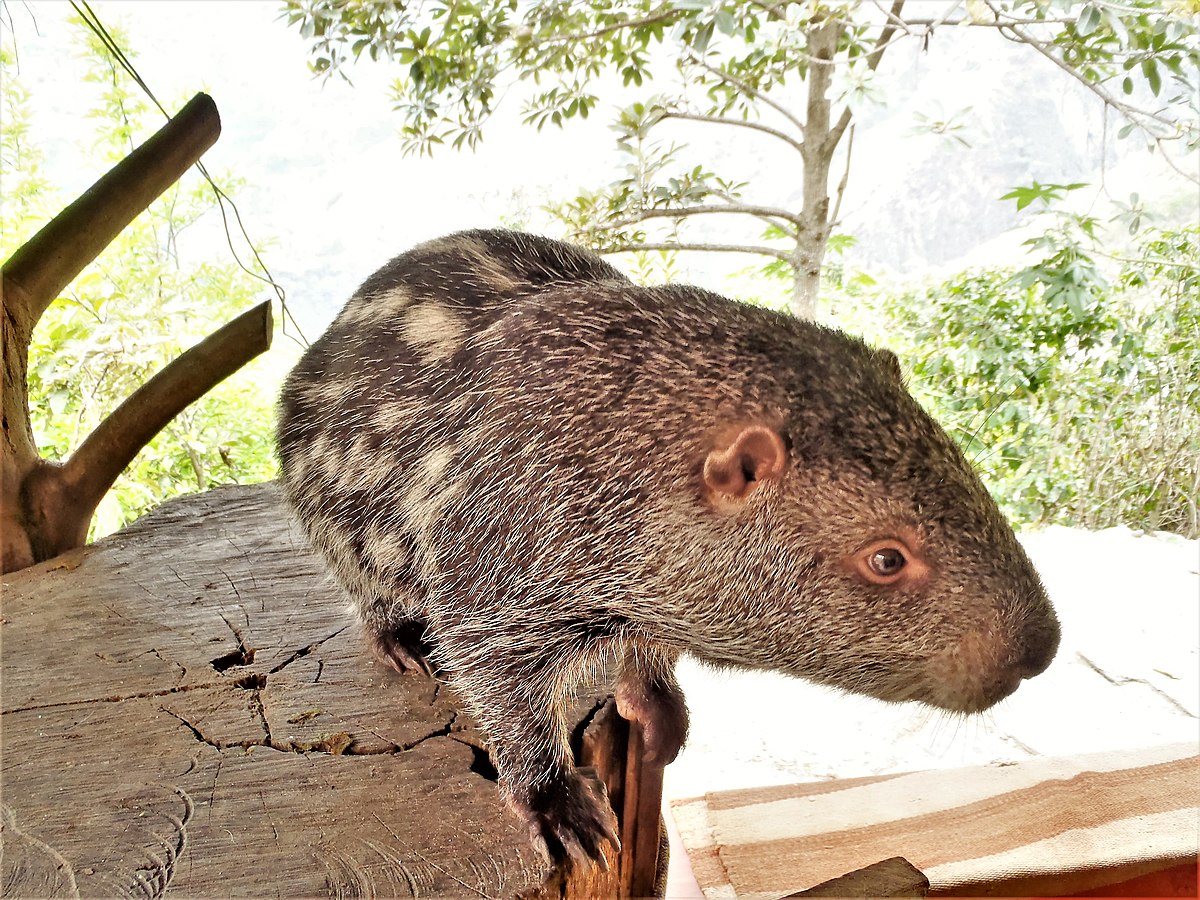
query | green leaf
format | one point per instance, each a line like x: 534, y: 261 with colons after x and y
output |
x: 1088, y: 21
x: 1150, y: 70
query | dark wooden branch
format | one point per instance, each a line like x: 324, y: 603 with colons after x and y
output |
x: 42, y: 511
x: 36, y: 274
x: 895, y: 877
x: 106, y: 452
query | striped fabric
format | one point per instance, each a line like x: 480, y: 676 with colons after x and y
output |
x: 1042, y: 827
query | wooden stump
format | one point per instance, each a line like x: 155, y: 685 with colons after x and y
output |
x: 187, y: 705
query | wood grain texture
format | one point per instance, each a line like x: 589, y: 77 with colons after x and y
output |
x: 188, y: 709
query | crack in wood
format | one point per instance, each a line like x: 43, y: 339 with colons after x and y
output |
x: 305, y: 651
x: 584, y: 723
x: 243, y: 655
x: 170, y: 662
x: 116, y: 698
x: 339, y: 743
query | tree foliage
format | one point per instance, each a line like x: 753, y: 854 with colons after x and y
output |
x: 791, y: 73
x: 140, y: 304
x: 1074, y: 383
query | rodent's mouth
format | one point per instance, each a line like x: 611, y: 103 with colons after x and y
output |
x: 967, y: 678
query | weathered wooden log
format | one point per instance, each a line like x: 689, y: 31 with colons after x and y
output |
x: 187, y: 707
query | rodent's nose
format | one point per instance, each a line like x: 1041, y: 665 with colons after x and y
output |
x: 1041, y: 643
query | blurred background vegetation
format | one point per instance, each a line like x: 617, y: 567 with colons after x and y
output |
x: 138, y: 306
x: 1072, y: 381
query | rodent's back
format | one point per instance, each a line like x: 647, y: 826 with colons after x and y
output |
x: 366, y: 410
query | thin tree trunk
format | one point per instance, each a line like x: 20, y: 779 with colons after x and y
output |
x: 818, y: 155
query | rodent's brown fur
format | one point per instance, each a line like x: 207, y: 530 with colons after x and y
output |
x: 523, y: 465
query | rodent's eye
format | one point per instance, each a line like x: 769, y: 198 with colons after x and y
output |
x: 886, y: 562
x: 889, y: 561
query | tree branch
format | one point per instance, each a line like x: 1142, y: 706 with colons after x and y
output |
x: 1131, y: 113
x: 841, y: 188
x: 746, y: 89
x: 739, y: 123
x: 881, y: 44
x: 698, y: 247
x: 683, y: 212
x: 661, y: 16
x: 47, y: 262
x: 771, y: 9
x: 105, y: 453
x: 885, y: 39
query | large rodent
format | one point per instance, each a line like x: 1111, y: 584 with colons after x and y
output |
x: 520, y: 465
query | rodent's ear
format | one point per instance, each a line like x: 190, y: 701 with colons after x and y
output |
x: 752, y: 456
x: 892, y: 363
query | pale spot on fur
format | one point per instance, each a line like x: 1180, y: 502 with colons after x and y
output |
x: 396, y: 415
x: 429, y: 489
x: 434, y: 329
x: 385, y: 548
x: 391, y: 303
x: 496, y: 274
x: 374, y: 308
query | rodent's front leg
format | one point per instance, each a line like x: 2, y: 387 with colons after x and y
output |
x: 648, y: 693
x: 518, y: 706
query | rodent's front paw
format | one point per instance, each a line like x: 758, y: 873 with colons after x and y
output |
x: 570, y: 818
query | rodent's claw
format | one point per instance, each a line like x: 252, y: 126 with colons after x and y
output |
x: 404, y: 648
x: 570, y: 819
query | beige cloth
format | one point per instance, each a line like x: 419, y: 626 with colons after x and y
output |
x: 1045, y: 826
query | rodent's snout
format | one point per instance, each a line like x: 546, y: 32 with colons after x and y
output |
x: 984, y: 665
x: 1041, y: 643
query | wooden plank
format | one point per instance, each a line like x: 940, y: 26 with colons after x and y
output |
x: 642, y: 826
x: 187, y: 708
x: 895, y: 877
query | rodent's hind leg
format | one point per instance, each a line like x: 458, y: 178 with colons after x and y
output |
x: 518, y: 702
x: 648, y: 693
x: 403, y: 645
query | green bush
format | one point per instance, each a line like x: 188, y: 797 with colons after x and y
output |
x: 1078, y: 399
